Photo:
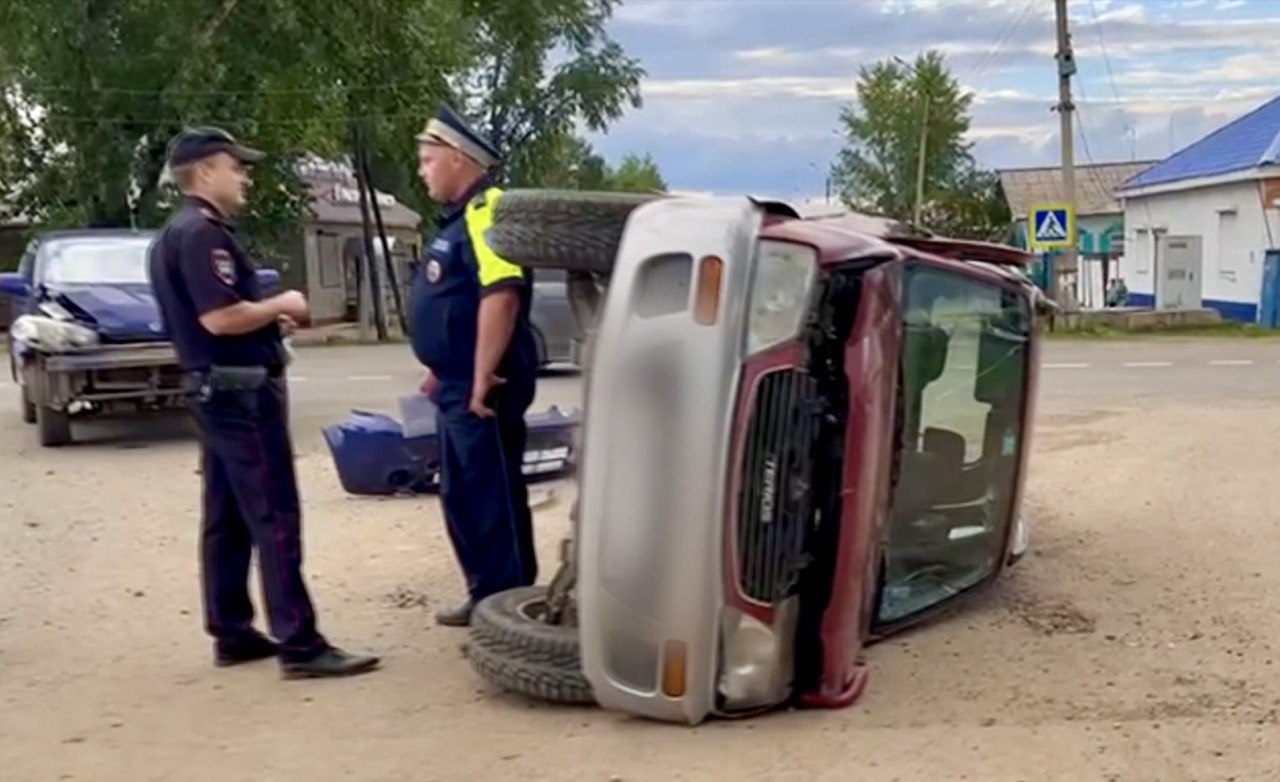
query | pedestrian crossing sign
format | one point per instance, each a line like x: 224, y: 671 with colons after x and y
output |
x: 1053, y: 226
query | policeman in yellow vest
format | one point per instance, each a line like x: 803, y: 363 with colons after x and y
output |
x: 471, y: 331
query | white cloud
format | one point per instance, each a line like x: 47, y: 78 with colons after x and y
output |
x: 759, y: 87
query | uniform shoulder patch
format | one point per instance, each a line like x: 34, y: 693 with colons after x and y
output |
x: 224, y: 266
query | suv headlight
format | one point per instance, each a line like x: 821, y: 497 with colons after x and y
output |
x: 51, y: 335
x: 779, y: 296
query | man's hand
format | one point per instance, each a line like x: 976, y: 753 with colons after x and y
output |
x: 480, y: 389
x: 430, y: 384
x: 291, y: 304
x: 287, y: 325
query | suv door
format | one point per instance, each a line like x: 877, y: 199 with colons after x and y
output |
x: 962, y: 386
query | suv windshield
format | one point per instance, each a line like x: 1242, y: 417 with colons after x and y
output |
x: 112, y: 261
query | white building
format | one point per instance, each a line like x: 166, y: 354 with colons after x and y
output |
x: 1198, y: 224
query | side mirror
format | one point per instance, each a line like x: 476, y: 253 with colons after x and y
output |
x: 14, y: 284
x: 268, y: 279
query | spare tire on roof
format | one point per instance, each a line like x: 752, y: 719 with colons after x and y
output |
x: 562, y: 229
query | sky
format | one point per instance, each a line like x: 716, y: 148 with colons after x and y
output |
x: 744, y: 96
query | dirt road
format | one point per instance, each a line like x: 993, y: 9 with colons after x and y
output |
x: 1137, y: 642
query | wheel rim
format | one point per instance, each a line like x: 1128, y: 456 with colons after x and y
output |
x: 533, y: 609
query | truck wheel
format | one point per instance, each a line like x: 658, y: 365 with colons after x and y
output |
x: 510, y: 648
x: 28, y: 407
x: 559, y: 229
x: 54, y: 425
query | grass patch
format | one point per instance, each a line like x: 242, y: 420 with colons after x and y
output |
x: 1228, y: 330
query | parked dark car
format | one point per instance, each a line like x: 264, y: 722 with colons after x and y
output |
x: 87, y: 333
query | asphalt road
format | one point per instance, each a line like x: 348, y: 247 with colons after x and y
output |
x: 1137, y: 641
x: 327, y: 383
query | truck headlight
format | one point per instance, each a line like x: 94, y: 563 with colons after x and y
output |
x: 779, y: 296
x: 758, y: 661
x: 52, y: 335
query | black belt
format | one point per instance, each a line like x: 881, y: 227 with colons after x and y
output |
x: 230, y: 378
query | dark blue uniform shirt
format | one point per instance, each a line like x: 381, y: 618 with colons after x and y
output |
x: 198, y: 266
x: 457, y: 270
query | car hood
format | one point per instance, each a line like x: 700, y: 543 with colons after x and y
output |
x: 125, y: 312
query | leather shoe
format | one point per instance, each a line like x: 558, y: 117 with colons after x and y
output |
x: 459, y: 616
x: 329, y: 663
x: 252, y: 648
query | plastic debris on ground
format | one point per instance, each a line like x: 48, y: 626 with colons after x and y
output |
x: 378, y: 455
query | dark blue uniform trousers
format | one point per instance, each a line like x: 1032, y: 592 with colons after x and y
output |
x: 251, y: 501
x: 483, y: 490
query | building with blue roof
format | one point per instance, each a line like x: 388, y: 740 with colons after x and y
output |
x: 1198, y: 224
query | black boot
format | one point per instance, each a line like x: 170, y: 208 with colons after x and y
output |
x: 331, y: 662
x: 459, y: 616
x: 247, y: 650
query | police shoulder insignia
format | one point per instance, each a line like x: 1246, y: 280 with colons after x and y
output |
x: 224, y: 266
x: 434, y: 270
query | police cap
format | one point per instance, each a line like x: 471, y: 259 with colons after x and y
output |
x: 195, y: 144
x: 448, y: 128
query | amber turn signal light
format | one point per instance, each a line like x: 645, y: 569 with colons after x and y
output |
x: 706, y: 307
x: 673, y: 669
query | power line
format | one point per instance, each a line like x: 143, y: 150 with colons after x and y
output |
x: 989, y: 57
x: 1111, y: 77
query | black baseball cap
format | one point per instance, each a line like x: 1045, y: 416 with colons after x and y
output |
x: 195, y: 144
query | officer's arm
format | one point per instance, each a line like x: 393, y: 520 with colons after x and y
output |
x: 500, y: 283
x: 209, y: 271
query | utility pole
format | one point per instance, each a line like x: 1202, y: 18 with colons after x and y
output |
x: 1067, y: 262
x: 924, y: 140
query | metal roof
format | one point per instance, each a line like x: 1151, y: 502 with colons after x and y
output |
x: 1095, y: 187
x: 1252, y: 141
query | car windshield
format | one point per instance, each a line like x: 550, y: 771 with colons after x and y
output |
x: 112, y: 261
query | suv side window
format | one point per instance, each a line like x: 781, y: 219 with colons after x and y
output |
x: 962, y: 381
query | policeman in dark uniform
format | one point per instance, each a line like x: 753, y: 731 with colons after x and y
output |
x: 228, y: 341
x: 471, y: 330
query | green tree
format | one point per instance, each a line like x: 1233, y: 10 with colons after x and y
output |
x: 541, y: 71
x: 572, y: 164
x: 878, y: 169
x: 638, y: 174
x: 91, y: 91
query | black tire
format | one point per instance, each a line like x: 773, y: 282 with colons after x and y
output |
x: 562, y: 229
x: 515, y: 652
x: 54, y: 426
x: 28, y: 407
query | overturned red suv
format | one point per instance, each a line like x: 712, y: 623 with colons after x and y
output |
x: 801, y: 434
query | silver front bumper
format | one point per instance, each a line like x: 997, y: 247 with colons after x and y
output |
x: 656, y: 442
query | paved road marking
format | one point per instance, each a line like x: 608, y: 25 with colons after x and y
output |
x: 363, y: 378
x: 1066, y: 366
x: 293, y: 379
x: 1148, y: 364
x: 1231, y: 363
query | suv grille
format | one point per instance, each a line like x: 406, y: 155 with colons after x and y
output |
x: 775, y: 505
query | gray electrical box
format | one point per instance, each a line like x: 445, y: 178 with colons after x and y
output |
x: 1179, y: 277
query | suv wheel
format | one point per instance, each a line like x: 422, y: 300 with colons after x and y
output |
x: 54, y: 426
x: 515, y: 650
x: 556, y: 229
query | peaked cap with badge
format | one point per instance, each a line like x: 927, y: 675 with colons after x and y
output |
x: 449, y: 128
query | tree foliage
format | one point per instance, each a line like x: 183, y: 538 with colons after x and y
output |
x: 92, y: 90
x: 878, y: 168
x: 576, y: 166
x: 543, y: 71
